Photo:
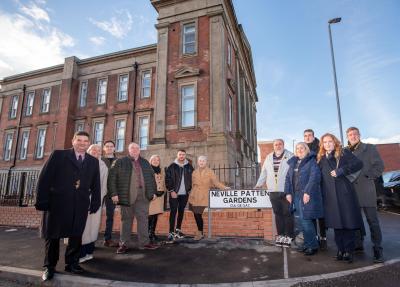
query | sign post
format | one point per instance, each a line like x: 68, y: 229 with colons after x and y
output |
x: 236, y: 198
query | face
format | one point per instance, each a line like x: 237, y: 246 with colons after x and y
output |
x: 353, y: 136
x: 278, y: 147
x: 109, y: 148
x: 202, y: 162
x: 134, y: 150
x: 308, y: 137
x: 181, y: 156
x: 155, y: 161
x: 96, y: 152
x: 329, y: 144
x: 80, y: 143
x: 301, y: 151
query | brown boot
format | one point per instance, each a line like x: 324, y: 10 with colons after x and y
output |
x: 199, y: 235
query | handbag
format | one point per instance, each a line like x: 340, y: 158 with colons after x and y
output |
x: 352, y: 177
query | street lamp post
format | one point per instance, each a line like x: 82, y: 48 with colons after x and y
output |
x: 333, y: 21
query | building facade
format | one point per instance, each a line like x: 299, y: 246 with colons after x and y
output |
x: 194, y: 89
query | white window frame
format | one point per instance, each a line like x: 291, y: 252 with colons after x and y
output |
x: 103, y: 99
x: 40, y: 144
x: 184, y: 98
x: 120, y: 137
x: 8, y: 143
x: 96, y: 140
x: 145, y: 87
x: 30, y: 100
x: 123, y: 93
x: 146, y: 135
x: 23, y: 150
x: 46, y: 98
x: 230, y: 113
x: 83, y: 92
x: 78, y: 124
x: 14, y: 107
x: 184, y: 35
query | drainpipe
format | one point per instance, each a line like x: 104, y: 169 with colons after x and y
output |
x: 135, y: 66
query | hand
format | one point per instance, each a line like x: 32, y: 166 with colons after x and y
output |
x: 115, y: 199
x: 333, y: 173
x: 227, y: 187
x: 289, y: 198
x: 174, y: 194
x: 306, y: 198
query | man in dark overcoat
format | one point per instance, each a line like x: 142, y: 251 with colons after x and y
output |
x: 68, y: 189
x: 365, y: 188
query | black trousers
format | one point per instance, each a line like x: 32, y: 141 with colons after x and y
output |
x: 110, y: 208
x: 52, y: 251
x: 177, y: 205
x: 322, y: 227
x: 371, y: 215
x: 345, y: 240
x: 283, y: 217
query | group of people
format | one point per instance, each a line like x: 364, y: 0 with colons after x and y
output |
x: 324, y: 185
x: 74, y: 184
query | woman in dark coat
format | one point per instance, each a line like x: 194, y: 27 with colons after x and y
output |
x: 342, y: 210
x: 302, y: 186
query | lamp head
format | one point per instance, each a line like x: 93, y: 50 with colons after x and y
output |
x: 334, y: 20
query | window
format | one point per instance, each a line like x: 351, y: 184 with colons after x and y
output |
x: 29, y: 103
x: 8, y: 141
x: 123, y: 88
x: 101, y: 91
x: 187, y: 116
x: 14, y: 107
x: 146, y: 84
x: 41, y: 139
x: 83, y: 94
x: 143, y: 132
x: 98, y: 130
x: 45, y: 106
x: 229, y: 53
x: 189, y: 38
x: 120, y: 135
x: 23, y: 151
x: 230, y: 114
x: 79, y: 126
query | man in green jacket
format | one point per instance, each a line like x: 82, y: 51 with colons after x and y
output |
x: 131, y: 185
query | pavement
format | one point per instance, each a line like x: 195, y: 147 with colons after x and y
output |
x: 217, y: 262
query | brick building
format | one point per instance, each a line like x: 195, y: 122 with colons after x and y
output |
x: 390, y: 154
x: 194, y: 89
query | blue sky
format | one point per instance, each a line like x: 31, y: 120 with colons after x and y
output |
x: 290, y: 46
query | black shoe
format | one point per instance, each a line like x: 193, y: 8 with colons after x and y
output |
x: 347, y: 256
x: 74, y: 268
x: 378, y: 255
x: 339, y: 256
x: 323, y: 244
x: 310, y: 251
x: 359, y: 249
x: 48, y: 273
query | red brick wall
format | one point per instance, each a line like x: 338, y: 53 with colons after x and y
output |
x: 245, y: 223
x: 265, y: 149
x: 390, y: 154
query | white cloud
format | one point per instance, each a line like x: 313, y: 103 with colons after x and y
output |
x: 118, y: 26
x: 98, y: 41
x: 393, y: 139
x: 25, y: 46
x: 35, y: 12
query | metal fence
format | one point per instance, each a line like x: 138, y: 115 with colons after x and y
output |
x: 17, y: 187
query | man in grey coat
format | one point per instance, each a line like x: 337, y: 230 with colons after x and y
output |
x: 365, y: 188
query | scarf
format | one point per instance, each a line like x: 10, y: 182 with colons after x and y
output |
x: 156, y: 169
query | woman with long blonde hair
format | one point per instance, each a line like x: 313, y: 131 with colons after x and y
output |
x: 342, y: 211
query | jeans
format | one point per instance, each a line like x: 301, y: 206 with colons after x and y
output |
x: 110, y: 207
x: 309, y: 232
x: 177, y: 205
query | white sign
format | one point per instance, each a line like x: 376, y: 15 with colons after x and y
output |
x: 242, y: 198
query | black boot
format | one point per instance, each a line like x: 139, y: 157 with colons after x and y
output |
x: 348, y: 256
x: 339, y: 256
x: 378, y: 255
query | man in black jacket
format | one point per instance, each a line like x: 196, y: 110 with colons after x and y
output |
x: 178, y: 181
x: 132, y: 185
x: 109, y: 158
x: 313, y: 143
x: 68, y: 189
